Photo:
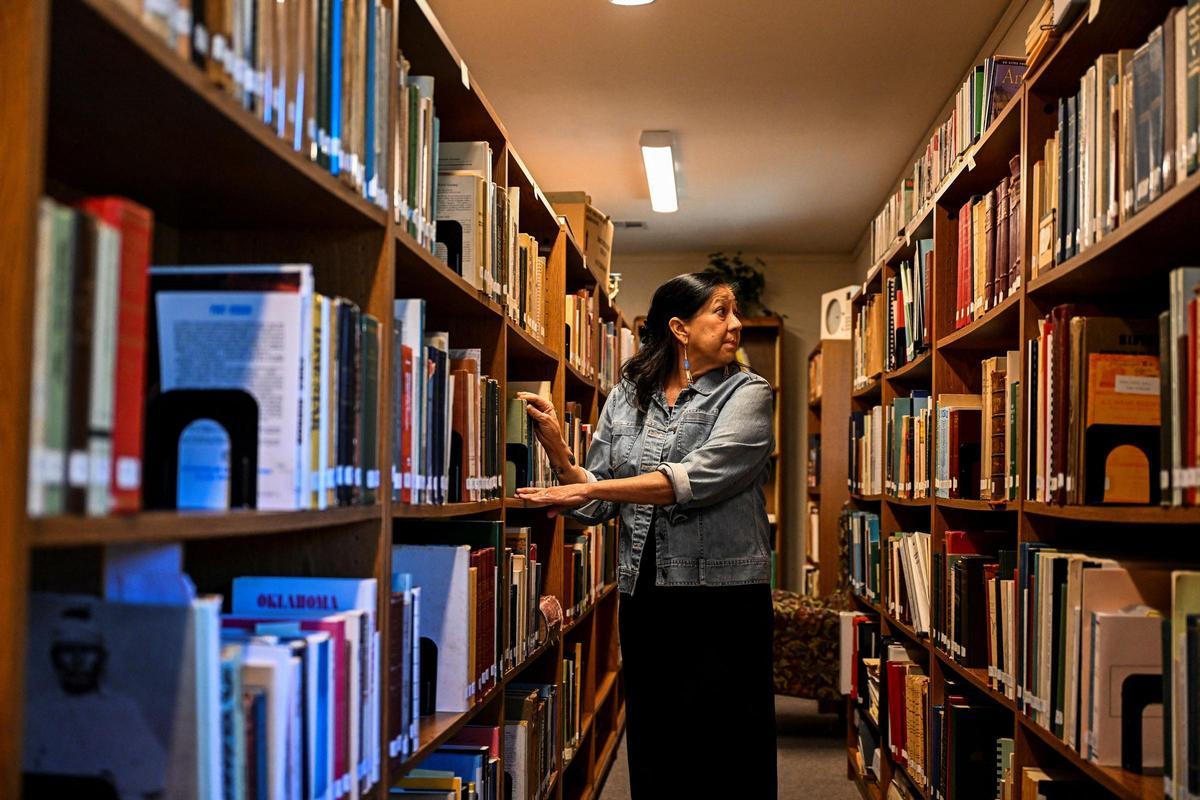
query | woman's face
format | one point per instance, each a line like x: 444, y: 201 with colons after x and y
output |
x: 714, y: 333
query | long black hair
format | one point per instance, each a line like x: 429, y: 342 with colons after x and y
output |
x: 682, y: 297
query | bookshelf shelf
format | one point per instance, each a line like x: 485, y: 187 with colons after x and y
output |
x: 987, y: 161
x: 445, y: 510
x: 420, y: 274
x: 576, y: 380
x: 525, y: 350
x: 919, y: 788
x: 1117, y: 515
x: 905, y: 630
x: 1124, y: 785
x: 1120, y: 25
x: 149, y: 150
x: 975, y: 505
x: 976, y: 677
x: 996, y: 330
x: 866, y: 498
x: 605, y: 687
x: 871, y: 389
x: 437, y: 728
x: 1157, y: 239
x: 868, y: 788
x: 922, y: 502
x: 166, y: 526
x: 917, y: 371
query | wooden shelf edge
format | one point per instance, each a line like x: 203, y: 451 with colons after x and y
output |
x: 974, y: 505
x: 197, y: 82
x: 408, y: 511
x: 1125, y: 785
x: 980, y: 683
x: 165, y: 526
x: 1080, y: 262
x: 919, y: 364
x: 541, y: 348
x: 995, y: 317
x: 1142, y: 515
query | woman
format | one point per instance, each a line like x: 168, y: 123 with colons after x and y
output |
x: 680, y: 453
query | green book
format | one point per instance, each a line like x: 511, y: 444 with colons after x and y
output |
x: 51, y: 368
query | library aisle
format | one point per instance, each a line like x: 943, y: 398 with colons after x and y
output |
x: 353, y: 350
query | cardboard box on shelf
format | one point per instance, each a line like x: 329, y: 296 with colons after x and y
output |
x: 593, y: 229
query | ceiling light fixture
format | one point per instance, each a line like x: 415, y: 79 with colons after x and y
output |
x: 631, y: 2
x: 659, y: 157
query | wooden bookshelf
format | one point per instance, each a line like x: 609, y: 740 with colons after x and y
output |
x: 1146, y: 247
x: 829, y: 418
x: 97, y: 104
x: 762, y: 340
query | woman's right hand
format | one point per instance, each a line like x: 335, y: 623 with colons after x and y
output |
x: 545, y: 420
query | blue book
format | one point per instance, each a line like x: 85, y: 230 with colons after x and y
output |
x: 335, y: 88
x: 468, y: 762
x: 368, y: 154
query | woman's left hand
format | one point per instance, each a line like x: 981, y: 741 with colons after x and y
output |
x: 559, y: 498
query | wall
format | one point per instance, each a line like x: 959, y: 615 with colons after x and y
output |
x: 795, y: 284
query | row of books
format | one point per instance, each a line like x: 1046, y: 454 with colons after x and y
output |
x: 445, y: 444
x: 581, y: 313
x: 277, y: 699
x: 907, y: 445
x: 1094, y: 404
x: 812, y: 549
x: 527, y: 463
x: 865, y: 468
x: 860, y: 529
x: 869, y: 336
x: 479, y: 235
x: 906, y: 562
x: 1127, y: 136
x: 589, y: 558
x: 813, y: 474
x: 815, y: 377
x: 472, y: 589
x: 577, y: 432
x: 616, y: 347
x: 910, y: 303
x: 320, y: 78
x: 984, y: 94
x: 467, y: 766
x: 573, y: 667
x: 252, y: 359
x: 86, y: 413
x: 989, y: 248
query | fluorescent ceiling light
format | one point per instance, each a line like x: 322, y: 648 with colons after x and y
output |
x: 631, y: 2
x: 659, y: 158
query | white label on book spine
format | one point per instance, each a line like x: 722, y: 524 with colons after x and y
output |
x: 200, y: 39
x: 77, y: 469
x: 128, y: 472
x: 99, y: 469
x: 1136, y: 384
x: 183, y: 20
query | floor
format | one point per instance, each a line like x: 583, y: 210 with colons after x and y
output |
x: 812, y: 756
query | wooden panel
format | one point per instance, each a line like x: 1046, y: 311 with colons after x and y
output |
x: 23, y: 32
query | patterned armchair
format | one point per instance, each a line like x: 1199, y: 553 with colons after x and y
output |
x: 806, y: 646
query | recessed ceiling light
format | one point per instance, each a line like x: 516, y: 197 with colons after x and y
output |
x: 631, y: 2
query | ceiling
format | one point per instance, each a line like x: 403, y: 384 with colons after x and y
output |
x: 792, y: 119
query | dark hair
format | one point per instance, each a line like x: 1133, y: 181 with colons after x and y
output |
x: 682, y: 297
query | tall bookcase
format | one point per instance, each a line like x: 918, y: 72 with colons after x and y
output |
x: 762, y: 339
x: 96, y: 104
x: 828, y: 417
x: 1125, y: 273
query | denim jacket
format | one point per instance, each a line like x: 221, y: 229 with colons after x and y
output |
x: 715, y: 448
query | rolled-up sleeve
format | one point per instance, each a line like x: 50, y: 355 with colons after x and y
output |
x: 733, y: 456
x: 598, y: 468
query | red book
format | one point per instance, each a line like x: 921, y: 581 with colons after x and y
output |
x: 962, y: 314
x: 136, y: 225
x: 406, y: 442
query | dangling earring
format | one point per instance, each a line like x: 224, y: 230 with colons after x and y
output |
x: 687, y: 365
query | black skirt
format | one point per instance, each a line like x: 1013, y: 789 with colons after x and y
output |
x: 699, y: 689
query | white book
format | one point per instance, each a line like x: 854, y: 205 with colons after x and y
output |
x: 260, y: 341
x: 516, y: 758
x: 409, y: 317
x: 442, y: 573
x: 268, y: 667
